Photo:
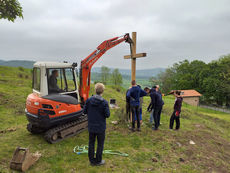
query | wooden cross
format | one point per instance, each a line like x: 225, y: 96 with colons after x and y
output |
x: 133, y: 56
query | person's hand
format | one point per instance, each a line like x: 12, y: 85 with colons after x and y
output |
x: 177, y: 113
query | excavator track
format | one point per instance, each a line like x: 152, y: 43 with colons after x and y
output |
x: 64, y: 131
x: 33, y: 129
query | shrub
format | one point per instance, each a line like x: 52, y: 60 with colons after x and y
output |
x: 20, y: 75
x: 121, y: 115
x: 21, y: 69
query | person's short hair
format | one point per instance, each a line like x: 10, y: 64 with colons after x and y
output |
x: 146, y: 88
x: 178, y: 92
x: 133, y: 82
x: 99, y: 88
x: 154, y: 86
x: 54, y: 71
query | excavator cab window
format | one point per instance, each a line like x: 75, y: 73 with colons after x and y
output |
x: 61, y: 80
x: 36, y: 78
x: 70, y: 79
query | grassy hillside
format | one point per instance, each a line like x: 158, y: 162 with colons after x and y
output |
x: 18, y: 63
x: 170, y: 150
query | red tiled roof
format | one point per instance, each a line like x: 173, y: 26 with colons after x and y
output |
x: 190, y: 93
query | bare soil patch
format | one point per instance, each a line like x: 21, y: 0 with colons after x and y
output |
x: 211, y: 152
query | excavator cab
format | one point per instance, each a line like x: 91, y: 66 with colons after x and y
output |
x: 55, y: 78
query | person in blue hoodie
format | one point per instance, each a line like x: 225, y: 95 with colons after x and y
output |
x: 134, y: 95
x: 97, y: 110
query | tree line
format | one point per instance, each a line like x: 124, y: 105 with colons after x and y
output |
x: 108, y: 77
x: 212, y: 79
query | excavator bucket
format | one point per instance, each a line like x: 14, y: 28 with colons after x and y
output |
x: 23, y: 159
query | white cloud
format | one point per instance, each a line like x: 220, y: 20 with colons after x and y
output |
x: 169, y: 30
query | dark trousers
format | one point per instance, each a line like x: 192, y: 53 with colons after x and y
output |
x: 128, y: 110
x: 159, y: 116
x: 176, y: 118
x: 135, y: 111
x: 100, y: 145
x: 156, y: 117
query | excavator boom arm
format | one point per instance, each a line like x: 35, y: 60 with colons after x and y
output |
x: 89, y: 61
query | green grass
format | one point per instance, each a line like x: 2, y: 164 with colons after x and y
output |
x: 209, y: 129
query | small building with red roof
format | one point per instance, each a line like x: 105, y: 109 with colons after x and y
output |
x: 191, y: 97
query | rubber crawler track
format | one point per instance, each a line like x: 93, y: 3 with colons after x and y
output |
x: 69, y: 129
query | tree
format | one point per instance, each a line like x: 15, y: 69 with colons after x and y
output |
x: 105, y: 73
x: 167, y: 81
x: 154, y: 81
x: 116, y: 77
x: 10, y: 9
x: 212, y: 79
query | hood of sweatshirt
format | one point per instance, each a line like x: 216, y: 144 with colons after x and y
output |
x: 96, y: 100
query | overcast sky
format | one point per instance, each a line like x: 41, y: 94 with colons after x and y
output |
x: 167, y: 30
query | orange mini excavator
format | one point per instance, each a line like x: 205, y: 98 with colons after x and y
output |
x: 55, y: 107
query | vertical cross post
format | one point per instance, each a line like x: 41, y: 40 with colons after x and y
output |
x: 134, y: 55
x: 133, y: 60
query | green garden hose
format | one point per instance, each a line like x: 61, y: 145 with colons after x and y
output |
x: 84, y: 149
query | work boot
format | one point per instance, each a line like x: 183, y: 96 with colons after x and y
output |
x: 101, y: 163
x: 132, y: 129
x: 92, y: 164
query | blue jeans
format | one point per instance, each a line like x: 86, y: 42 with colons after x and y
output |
x: 151, y: 119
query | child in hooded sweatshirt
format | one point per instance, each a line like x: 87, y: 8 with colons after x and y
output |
x: 177, y: 109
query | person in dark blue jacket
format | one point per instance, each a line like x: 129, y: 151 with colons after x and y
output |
x: 134, y: 95
x: 156, y: 105
x: 97, y: 110
x: 159, y: 116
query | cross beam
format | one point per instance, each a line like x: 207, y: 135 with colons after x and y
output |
x: 139, y: 55
x: 134, y: 55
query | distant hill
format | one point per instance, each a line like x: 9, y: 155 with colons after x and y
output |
x: 145, y: 73
x: 17, y: 63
